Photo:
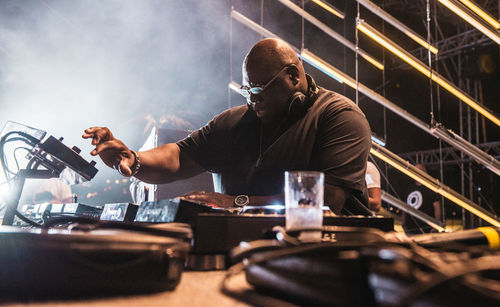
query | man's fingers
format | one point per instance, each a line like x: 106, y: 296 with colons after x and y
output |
x: 89, y: 132
x: 92, y: 129
x: 98, y: 134
x: 108, y: 146
x: 112, y: 151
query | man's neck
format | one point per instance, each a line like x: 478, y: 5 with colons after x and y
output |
x: 270, y: 129
x: 272, y: 123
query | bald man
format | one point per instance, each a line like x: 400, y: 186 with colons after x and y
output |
x: 289, y: 123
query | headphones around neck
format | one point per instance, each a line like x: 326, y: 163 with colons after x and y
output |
x: 300, y: 102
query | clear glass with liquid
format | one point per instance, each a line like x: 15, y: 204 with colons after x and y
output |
x: 304, y: 200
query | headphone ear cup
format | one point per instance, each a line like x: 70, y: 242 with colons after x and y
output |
x: 297, y: 103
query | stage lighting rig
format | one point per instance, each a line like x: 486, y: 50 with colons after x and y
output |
x: 335, y: 73
x: 398, y: 25
x: 330, y: 32
x: 425, y: 70
x: 488, y: 26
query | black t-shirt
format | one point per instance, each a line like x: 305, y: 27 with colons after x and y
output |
x: 332, y: 136
x: 422, y: 199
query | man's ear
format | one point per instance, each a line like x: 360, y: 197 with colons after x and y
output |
x: 293, y: 72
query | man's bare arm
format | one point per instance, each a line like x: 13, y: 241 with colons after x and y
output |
x: 227, y: 201
x: 165, y: 164
x: 375, y: 199
x: 335, y: 198
x: 162, y: 164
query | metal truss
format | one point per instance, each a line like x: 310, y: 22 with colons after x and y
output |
x: 449, y: 155
x: 449, y: 46
x: 454, y: 45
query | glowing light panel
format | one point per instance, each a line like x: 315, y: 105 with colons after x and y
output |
x: 408, y: 58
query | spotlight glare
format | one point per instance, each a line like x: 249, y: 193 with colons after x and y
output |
x: 378, y: 141
x: 397, y: 24
x: 234, y: 86
x: 330, y: 32
x: 408, y: 58
x: 457, y: 9
x: 476, y: 9
x: 330, y: 8
x: 319, y: 64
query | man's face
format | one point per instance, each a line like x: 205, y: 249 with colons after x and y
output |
x: 272, y: 102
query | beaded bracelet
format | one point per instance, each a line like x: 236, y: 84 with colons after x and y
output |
x: 137, y: 164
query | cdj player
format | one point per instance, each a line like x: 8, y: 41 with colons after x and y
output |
x: 45, y: 211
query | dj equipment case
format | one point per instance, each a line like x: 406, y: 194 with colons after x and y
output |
x: 100, y: 261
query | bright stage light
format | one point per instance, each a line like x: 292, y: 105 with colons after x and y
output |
x: 378, y: 141
x: 330, y: 8
x: 433, y: 184
x: 458, y: 9
x: 234, y: 86
x: 481, y: 13
x: 323, y: 66
x: 397, y: 24
x: 330, y: 32
x: 408, y: 58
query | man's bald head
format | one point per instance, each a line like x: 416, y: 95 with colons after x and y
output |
x: 273, y: 54
x: 273, y: 64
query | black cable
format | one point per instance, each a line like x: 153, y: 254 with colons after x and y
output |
x: 431, y: 268
x: 33, y: 140
x: 15, y: 157
x: 87, y: 223
x: 26, y: 220
x: 34, y: 163
x: 437, y: 278
x: 5, y: 139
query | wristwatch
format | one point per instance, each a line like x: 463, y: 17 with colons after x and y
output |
x: 241, y: 200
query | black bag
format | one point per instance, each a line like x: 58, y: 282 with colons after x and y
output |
x: 64, y: 263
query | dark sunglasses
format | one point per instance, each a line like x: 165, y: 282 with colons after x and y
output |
x: 246, y: 90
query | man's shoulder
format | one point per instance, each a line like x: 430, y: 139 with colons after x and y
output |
x: 232, y: 118
x: 334, y: 101
x: 234, y: 113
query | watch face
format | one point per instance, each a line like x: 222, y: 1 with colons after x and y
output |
x: 241, y: 200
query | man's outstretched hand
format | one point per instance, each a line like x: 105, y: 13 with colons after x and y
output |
x: 111, y: 151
